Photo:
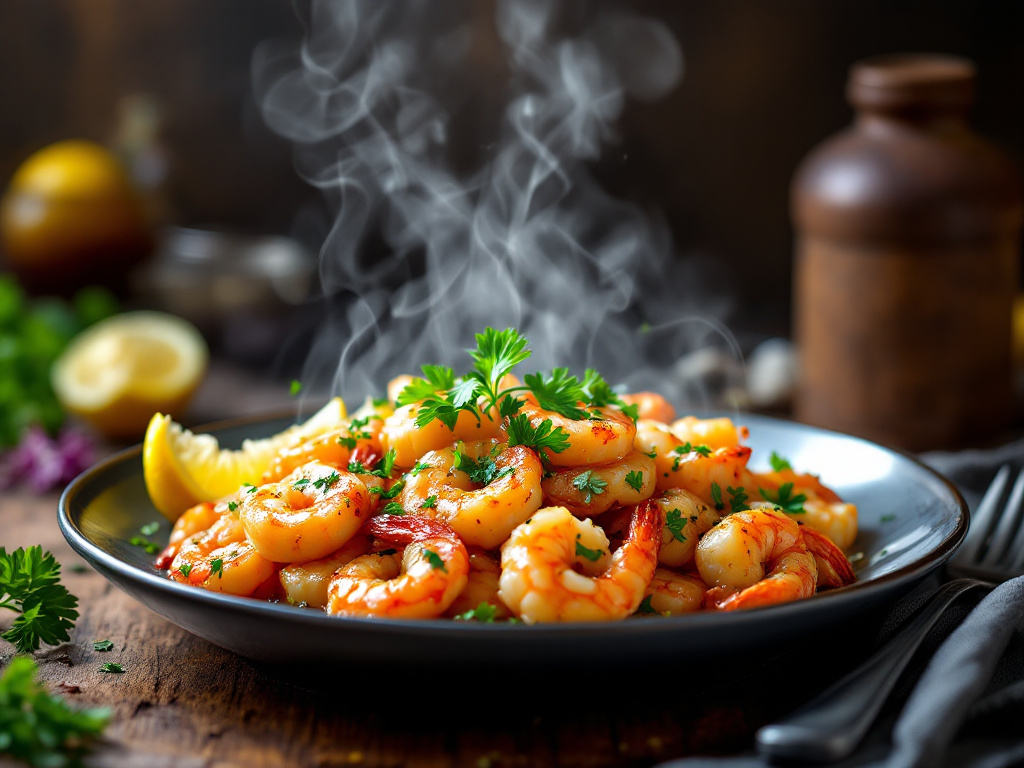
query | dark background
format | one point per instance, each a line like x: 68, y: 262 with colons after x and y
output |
x: 764, y: 83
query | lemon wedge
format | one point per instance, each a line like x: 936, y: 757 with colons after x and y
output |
x: 117, y: 373
x: 182, y: 468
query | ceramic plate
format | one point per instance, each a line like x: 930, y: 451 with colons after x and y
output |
x: 911, y: 520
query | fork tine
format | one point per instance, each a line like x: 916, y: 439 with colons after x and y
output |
x: 1008, y: 523
x: 984, y: 517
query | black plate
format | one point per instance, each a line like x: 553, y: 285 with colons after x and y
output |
x: 911, y: 520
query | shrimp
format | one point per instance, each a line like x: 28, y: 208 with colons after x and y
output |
x: 600, y: 440
x: 686, y: 518
x: 431, y: 573
x: 221, y: 559
x: 482, y: 513
x: 823, y: 510
x: 359, y: 440
x: 481, y: 588
x: 714, y: 433
x: 307, y: 583
x: 196, y: 519
x: 596, y: 488
x: 694, y: 466
x: 733, y: 557
x: 674, y: 593
x: 651, y: 405
x: 834, y: 570
x: 409, y: 441
x: 555, y: 567
x: 311, y: 513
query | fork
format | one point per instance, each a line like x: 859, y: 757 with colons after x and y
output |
x: 832, y: 725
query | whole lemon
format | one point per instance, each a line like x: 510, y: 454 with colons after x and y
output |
x: 71, y: 216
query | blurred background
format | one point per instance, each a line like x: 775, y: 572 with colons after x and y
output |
x: 168, y: 87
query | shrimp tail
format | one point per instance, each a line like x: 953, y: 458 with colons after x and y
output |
x: 834, y: 569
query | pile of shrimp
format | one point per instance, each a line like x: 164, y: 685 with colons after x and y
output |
x: 650, y: 515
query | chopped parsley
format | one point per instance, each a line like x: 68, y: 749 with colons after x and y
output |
x: 150, y: 547
x: 688, y: 448
x: 249, y: 487
x: 233, y: 506
x: 149, y: 529
x: 785, y: 500
x: 102, y: 645
x: 645, y: 606
x: 586, y: 483
x: 327, y: 481
x: 482, y: 471
x: 217, y: 567
x: 544, y: 435
x: 778, y: 463
x: 716, y: 496
x: 652, y: 455
x: 300, y: 483
x: 380, y: 402
x: 635, y: 480
x: 738, y: 502
x: 391, y: 492
x: 185, y: 569
x: 593, y: 555
x: 435, y: 560
x: 112, y: 668
x: 675, y: 522
x: 429, y: 503
x: 485, y: 612
x: 30, y: 585
x: 393, y: 508
x: 419, y: 467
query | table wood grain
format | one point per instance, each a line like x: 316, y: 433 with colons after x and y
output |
x: 185, y: 702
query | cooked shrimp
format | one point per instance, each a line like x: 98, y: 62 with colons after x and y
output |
x: 686, y: 518
x: 306, y: 583
x: 714, y: 433
x: 356, y: 441
x: 311, y: 513
x: 410, y: 441
x: 431, y: 573
x: 651, y: 405
x: 834, y: 570
x: 556, y: 567
x: 823, y: 510
x: 483, y: 514
x: 481, y: 588
x: 674, y: 593
x: 198, y: 518
x: 734, y: 555
x: 221, y: 559
x: 600, y: 440
x: 596, y: 488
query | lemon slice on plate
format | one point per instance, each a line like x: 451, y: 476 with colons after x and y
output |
x: 117, y: 373
x: 182, y: 468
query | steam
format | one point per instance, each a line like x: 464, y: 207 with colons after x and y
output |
x: 437, y: 237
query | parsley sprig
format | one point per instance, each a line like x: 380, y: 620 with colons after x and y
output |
x: 587, y: 483
x: 30, y: 585
x: 785, y: 499
x: 39, y: 728
x: 675, y: 522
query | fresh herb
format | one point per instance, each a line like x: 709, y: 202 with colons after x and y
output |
x: 593, y: 555
x: 778, y: 463
x: 149, y: 529
x: 418, y: 467
x: 327, y: 481
x: 102, y: 645
x: 30, y: 585
x: 391, y: 492
x: 38, y: 728
x: 482, y: 471
x: 380, y: 402
x: 429, y: 503
x: 295, y: 387
x: 652, y: 455
x: 383, y: 469
x: 347, y: 441
x: 150, y: 547
x: 392, y: 508
x: 485, y: 612
x: 509, y: 406
x: 300, y: 483
x: 645, y: 606
x: 112, y: 668
x: 435, y: 560
x: 560, y: 392
x: 544, y: 435
x: 716, y: 496
x: 357, y: 428
x: 886, y: 518
x: 688, y: 448
x: 738, y: 502
x: 217, y: 567
x: 249, y: 487
x: 785, y: 500
x: 232, y: 506
x: 588, y: 484
x: 675, y: 522
x: 635, y: 480
x: 632, y: 410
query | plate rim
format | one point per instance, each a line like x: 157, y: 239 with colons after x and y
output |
x: 440, y: 628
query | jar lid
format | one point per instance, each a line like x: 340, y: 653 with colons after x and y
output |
x: 912, y: 82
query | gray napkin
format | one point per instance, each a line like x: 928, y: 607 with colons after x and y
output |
x: 967, y: 709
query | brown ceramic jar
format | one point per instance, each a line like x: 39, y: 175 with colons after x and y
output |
x: 907, y: 245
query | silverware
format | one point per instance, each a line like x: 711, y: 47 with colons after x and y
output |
x: 832, y: 725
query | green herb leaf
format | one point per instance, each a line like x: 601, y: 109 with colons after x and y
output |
x: 675, y: 522
x: 645, y: 606
x: 593, y: 555
x: 295, y: 387
x: 217, y: 567
x: 785, y: 500
x: 497, y: 353
x: 429, y: 503
x: 688, y: 448
x: 327, y: 481
x: 392, y: 508
x: 39, y: 728
x: 635, y: 480
x: 778, y: 463
x: 588, y: 484
x: 509, y: 406
x: 113, y: 668
x: 30, y: 585
x: 185, y: 569
x: 102, y: 645
x: 561, y: 392
x: 716, y: 495
x: 738, y: 502
x: 232, y: 506
x: 300, y: 483
x: 485, y: 612
x: 249, y: 487
x: 437, y: 378
x: 435, y: 560
x: 149, y: 529
x: 545, y: 435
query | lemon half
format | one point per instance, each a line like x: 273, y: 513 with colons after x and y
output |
x: 117, y: 373
x: 182, y: 468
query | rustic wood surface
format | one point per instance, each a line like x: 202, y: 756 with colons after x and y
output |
x: 185, y: 702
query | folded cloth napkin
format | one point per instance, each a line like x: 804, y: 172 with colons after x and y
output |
x: 967, y: 709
